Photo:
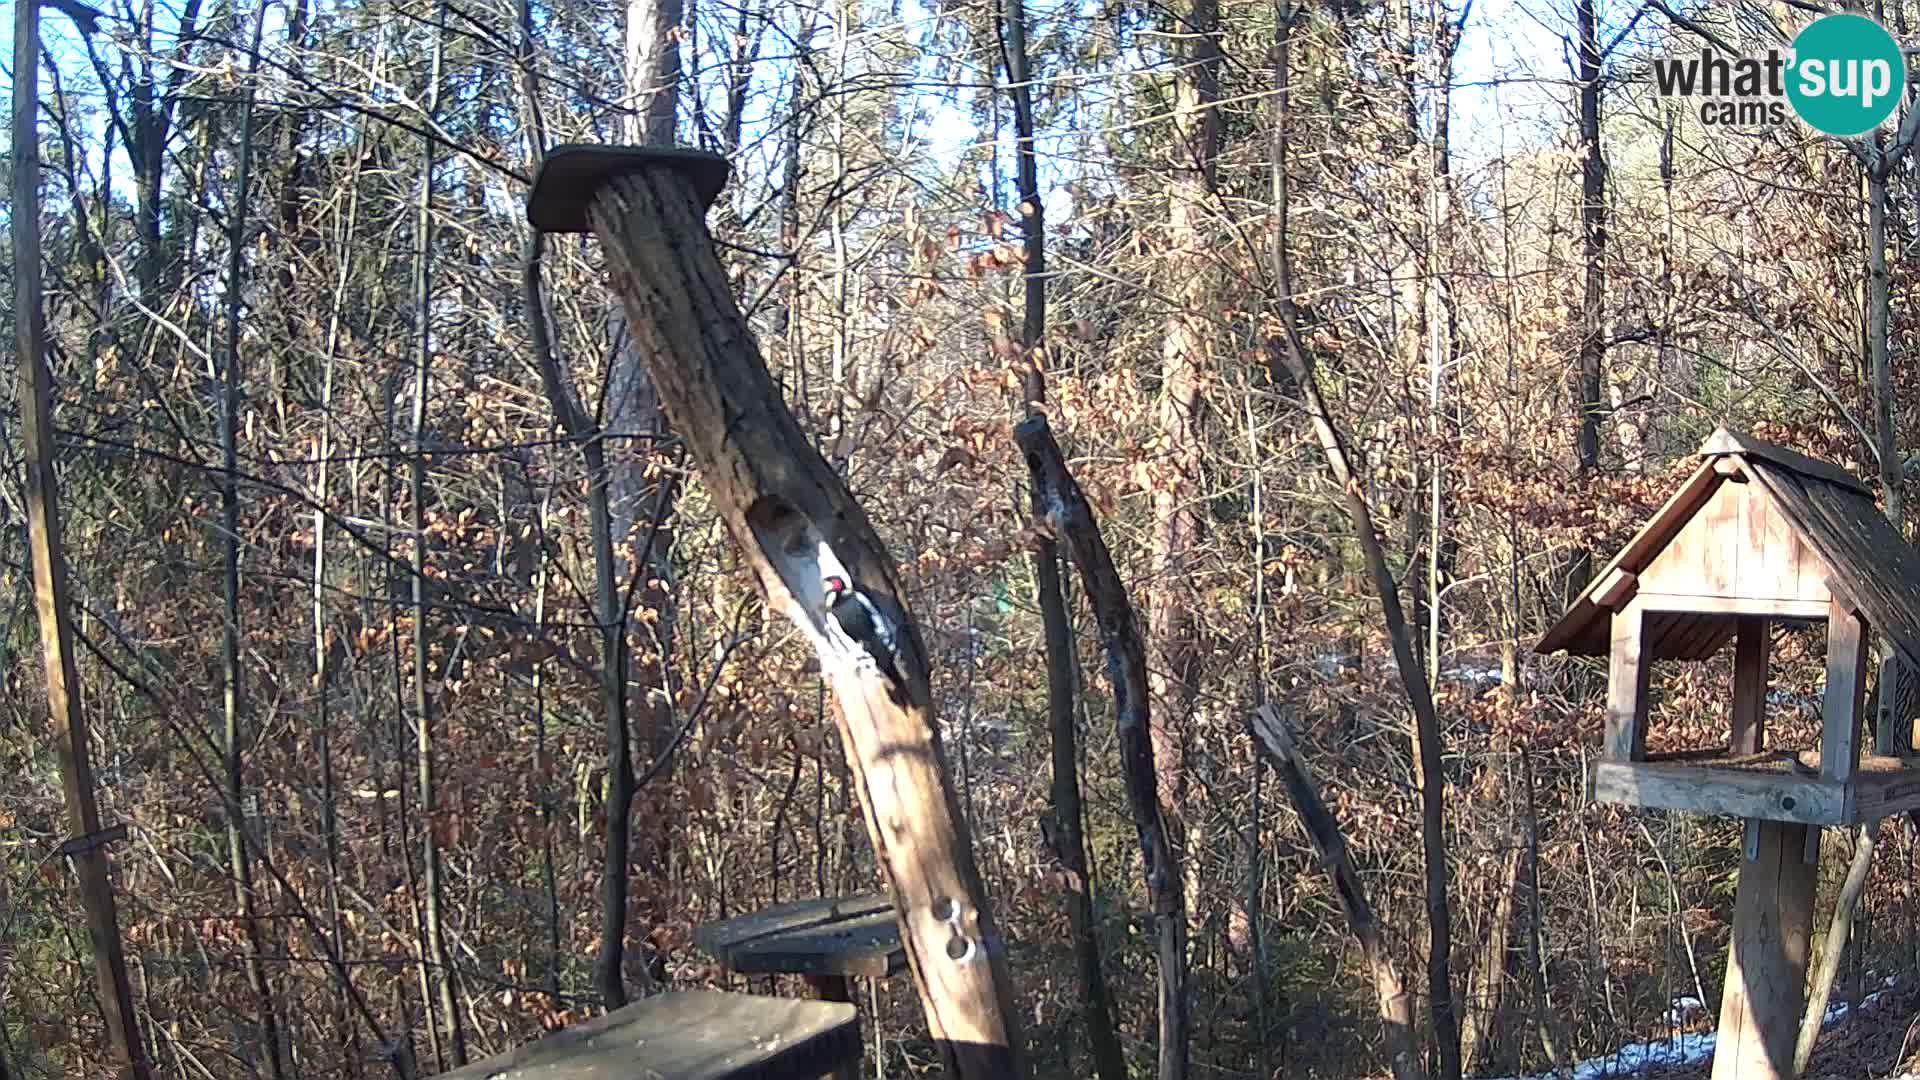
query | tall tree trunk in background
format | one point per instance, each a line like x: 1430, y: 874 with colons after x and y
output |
x: 52, y: 600
x: 1065, y: 835
x: 1887, y: 736
x: 323, y: 644
x: 1443, y: 329
x: 634, y: 490
x: 1588, y: 402
x: 436, y: 943
x: 146, y: 125
x: 1177, y: 498
x: 240, y: 860
x: 1289, y: 361
x: 1482, y: 1011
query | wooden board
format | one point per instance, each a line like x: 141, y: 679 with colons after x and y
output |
x: 851, y: 936
x: 1762, y: 998
x: 1737, y: 545
x: 1775, y: 794
x: 694, y: 1035
x: 1846, y: 689
x: 1759, y: 786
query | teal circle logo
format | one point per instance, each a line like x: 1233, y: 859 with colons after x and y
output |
x: 1848, y: 74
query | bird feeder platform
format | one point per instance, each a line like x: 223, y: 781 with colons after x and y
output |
x: 829, y: 941
x: 693, y: 1035
x: 1772, y: 785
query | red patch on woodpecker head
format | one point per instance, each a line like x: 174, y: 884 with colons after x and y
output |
x: 836, y: 584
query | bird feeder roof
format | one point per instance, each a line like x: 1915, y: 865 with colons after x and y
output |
x: 1799, y: 520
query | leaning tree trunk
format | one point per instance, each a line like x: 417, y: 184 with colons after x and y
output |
x: 1274, y: 735
x: 1067, y: 516
x: 1066, y: 836
x: 797, y: 525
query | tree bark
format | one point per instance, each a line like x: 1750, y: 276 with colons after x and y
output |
x: 796, y: 524
x: 634, y: 491
x: 1273, y: 735
x: 436, y: 936
x: 239, y: 859
x: 1178, y: 497
x: 1066, y: 835
x: 1489, y: 971
x: 52, y: 601
x: 1068, y: 517
x: 1588, y: 399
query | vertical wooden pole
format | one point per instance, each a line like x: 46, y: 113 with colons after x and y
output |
x: 1761, y: 1002
x: 1628, y: 669
x: 49, y: 557
x: 1840, y: 707
x: 1750, y: 685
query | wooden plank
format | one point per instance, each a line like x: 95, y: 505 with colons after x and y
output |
x: 691, y: 1035
x: 847, y: 936
x: 1727, y: 792
x: 1628, y: 669
x: 1748, y: 447
x: 1616, y: 589
x: 1769, y: 553
x: 1750, y: 685
x: 1813, y: 569
x: 1840, y: 705
x: 1732, y: 605
x: 1762, y: 998
x: 1883, y: 787
x: 1718, y: 527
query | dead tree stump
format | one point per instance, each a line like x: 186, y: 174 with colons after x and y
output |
x: 797, y: 526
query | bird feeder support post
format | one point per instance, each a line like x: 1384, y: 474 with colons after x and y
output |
x: 797, y: 527
x: 1628, y: 667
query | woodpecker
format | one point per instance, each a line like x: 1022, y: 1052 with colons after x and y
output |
x: 864, y: 623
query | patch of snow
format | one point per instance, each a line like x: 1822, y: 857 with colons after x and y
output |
x: 1686, y: 1048
x: 1690, y: 1048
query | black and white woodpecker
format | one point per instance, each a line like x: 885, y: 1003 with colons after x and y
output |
x: 864, y: 624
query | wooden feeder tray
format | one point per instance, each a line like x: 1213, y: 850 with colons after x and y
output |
x: 693, y: 1035
x: 853, y: 936
x: 1772, y: 786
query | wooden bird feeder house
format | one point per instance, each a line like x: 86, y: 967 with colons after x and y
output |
x: 1757, y: 535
